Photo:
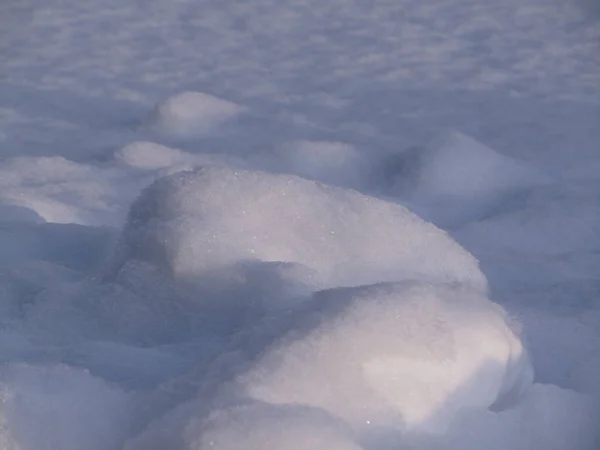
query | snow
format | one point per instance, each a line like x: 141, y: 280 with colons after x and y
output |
x: 237, y: 240
x: 385, y: 352
x: 299, y: 224
x: 336, y: 163
x: 254, y: 427
x: 148, y: 155
x: 51, y: 407
x: 455, y: 165
x: 458, y: 178
x: 191, y: 113
x: 549, y: 418
x: 56, y: 190
x: 397, y: 357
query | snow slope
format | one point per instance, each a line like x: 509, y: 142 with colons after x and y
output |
x: 180, y: 180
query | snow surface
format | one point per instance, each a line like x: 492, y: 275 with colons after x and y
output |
x: 49, y: 407
x: 171, y: 173
x: 457, y: 177
x: 244, y: 239
x: 191, y: 113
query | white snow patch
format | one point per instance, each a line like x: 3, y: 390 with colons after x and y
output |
x: 54, y: 189
x: 148, y: 155
x: 233, y: 233
x: 58, y: 407
x: 394, y: 353
x: 456, y: 176
x: 189, y: 114
x: 456, y: 165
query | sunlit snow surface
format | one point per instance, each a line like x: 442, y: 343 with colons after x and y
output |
x: 299, y: 224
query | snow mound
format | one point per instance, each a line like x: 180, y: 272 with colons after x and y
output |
x: 386, y: 354
x: 193, y: 113
x: 331, y: 162
x: 387, y: 358
x: 57, y: 190
x: 148, y: 156
x: 456, y: 165
x: 457, y: 175
x: 57, y: 407
x: 225, y: 230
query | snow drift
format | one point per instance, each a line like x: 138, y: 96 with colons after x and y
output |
x: 386, y: 358
x: 454, y: 177
x: 250, y: 235
x: 394, y: 353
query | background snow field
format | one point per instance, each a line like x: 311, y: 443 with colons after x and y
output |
x: 299, y: 225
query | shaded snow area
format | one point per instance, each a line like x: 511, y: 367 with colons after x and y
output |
x: 299, y: 225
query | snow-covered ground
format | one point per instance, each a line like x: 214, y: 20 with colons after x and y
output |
x: 299, y: 225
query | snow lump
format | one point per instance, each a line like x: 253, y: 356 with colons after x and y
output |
x: 385, y: 359
x: 244, y: 237
x: 190, y: 114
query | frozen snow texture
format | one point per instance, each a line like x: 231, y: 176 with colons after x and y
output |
x: 548, y: 418
x: 256, y: 426
x: 336, y: 163
x: 58, y: 407
x: 148, y: 155
x: 457, y: 176
x: 193, y: 113
x: 391, y: 353
x: 221, y: 228
x: 259, y: 427
x: 550, y: 220
x: 386, y: 358
x: 140, y: 307
x: 455, y: 165
x: 522, y: 75
x: 57, y: 190
x: 71, y: 245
